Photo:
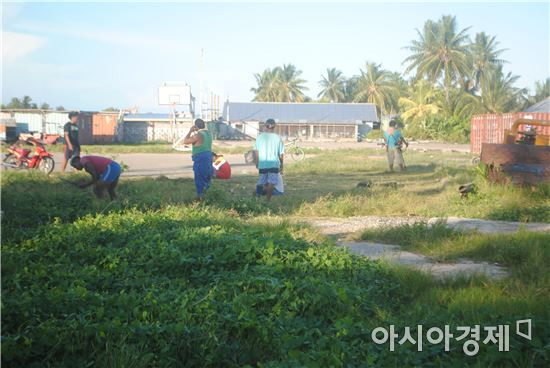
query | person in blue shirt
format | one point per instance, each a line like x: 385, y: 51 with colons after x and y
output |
x: 394, y: 140
x: 268, y: 152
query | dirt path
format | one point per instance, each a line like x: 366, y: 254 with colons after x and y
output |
x: 335, y: 226
x: 171, y: 165
x: 394, y: 254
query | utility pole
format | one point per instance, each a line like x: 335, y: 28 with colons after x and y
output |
x: 201, y: 76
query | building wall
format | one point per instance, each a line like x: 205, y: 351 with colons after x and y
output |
x: 163, y: 131
x: 303, y: 131
x: 149, y: 131
x: 7, y: 127
x: 54, y: 122
x: 244, y: 129
x: 28, y: 122
x: 93, y: 127
x: 134, y: 131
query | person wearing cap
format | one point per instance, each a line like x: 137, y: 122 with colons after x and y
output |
x: 201, y: 141
x: 72, y: 145
x: 269, y: 153
x: 104, y: 171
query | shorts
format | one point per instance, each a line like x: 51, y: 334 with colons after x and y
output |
x: 395, y: 154
x: 71, y: 153
x: 274, y: 178
x: 111, y: 173
x: 260, y: 191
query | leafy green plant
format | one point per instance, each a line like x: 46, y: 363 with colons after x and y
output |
x: 158, y: 280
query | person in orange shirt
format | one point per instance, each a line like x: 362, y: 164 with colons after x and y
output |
x: 221, y: 166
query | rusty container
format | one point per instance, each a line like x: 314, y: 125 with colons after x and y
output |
x: 490, y: 128
x: 104, y: 126
x: 85, y: 127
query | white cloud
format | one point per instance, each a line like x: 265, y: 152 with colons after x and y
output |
x: 16, y: 45
x: 112, y: 36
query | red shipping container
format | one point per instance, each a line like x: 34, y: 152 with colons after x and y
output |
x: 104, y: 127
x: 489, y: 128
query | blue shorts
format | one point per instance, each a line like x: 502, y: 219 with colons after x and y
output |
x: 111, y: 173
x: 275, y: 179
x: 260, y: 191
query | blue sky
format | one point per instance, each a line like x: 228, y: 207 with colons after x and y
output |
x: 93, y: 55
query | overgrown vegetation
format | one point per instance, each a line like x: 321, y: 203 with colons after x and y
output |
x: 157, y: 280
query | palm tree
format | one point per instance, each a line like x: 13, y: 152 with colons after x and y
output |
x: 485, y: 56
x: 399, y: 88
x: 542, y: 88
x: 419, y: 104
x: 374, y: 86
x: 290, y: 85
x: 498, y: 93
x: 350, y: 86
x: 542, y: 91
x: 458, y: 105
x: 334, y: 86
x: 440, y: 53
x: 267, y: 89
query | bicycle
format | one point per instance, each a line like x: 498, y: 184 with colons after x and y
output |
x: 295, y: 151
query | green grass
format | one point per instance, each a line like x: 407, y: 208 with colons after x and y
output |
x: 526, y: 255
x: 157, y: 280
x: 326, y: 185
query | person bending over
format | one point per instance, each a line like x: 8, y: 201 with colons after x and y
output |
x: 221, y: 166
x: 104, y: 171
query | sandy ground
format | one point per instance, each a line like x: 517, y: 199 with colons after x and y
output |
x: 180, y: 164
x: 170, y: 165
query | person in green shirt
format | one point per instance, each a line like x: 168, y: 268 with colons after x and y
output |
x: 201, y: 141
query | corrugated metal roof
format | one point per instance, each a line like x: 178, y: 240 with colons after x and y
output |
x: 148, y: 116
x: 153, y: 117
x: 541, y: 106
x: 330, y: 113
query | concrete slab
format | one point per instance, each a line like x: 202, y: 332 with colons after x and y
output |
x: 395, y: 255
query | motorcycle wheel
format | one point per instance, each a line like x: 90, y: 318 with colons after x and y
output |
x: 10, y: 160
x: 46, y: 165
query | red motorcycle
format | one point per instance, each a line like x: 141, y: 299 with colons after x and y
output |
x: 19, y: 157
